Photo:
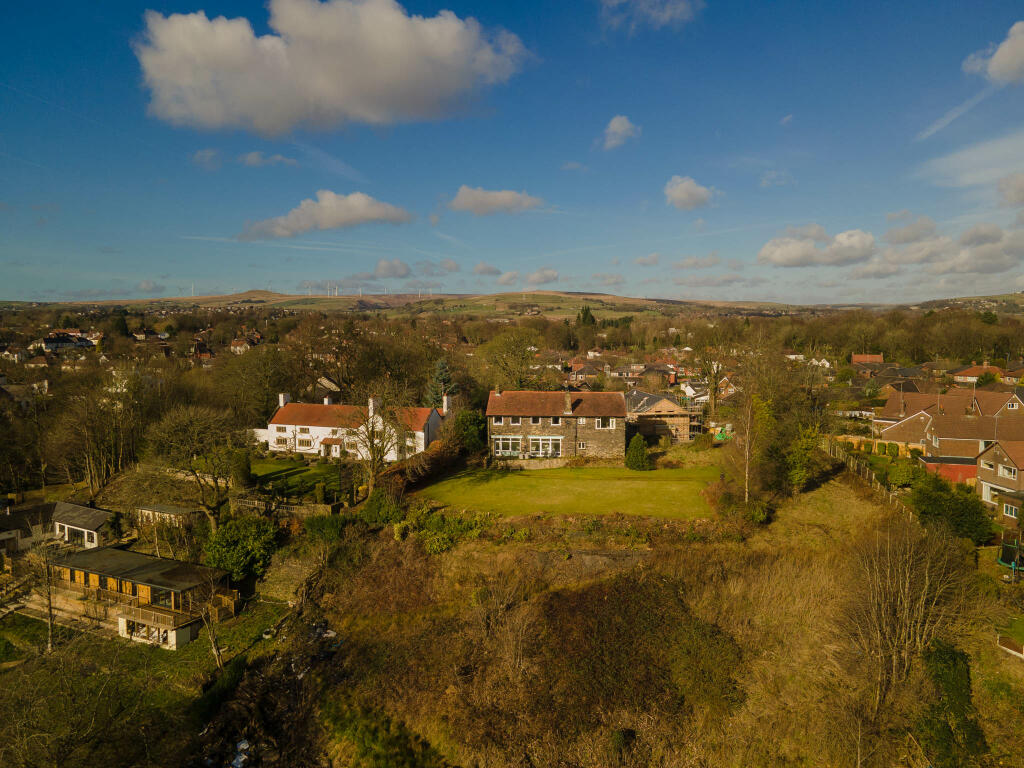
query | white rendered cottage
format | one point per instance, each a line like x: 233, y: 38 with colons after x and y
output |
x: 326, y: 429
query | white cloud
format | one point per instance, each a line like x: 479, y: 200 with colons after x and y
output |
x: 712, y: 281
x: 444, y: 267
x: 386, y: 269
x: 609, y: 280
x: 924, y: 251
x: 483, y: 202
x: 988, y: 258
x: 874, y: 270
x: 208, y: 159
x: 257, y: 159
x: 981, y: 234
x: 323, y: 65
x: 981, y: 164
x: 958, y: 111
x: 649, y: 260
x: 449, y: 265
x: 698, y: 262
x: 508, y: 278
x: 775, y: 178
x: 686, y: 194
x: 913, y: 232
x: 149, y: 286
x: 1011, y: 189
x: 786, y: 120
x: 650, y: 13
x: 486, y: 269
x: 618, y: 131
x: 542, y: 276
x: 328, y: 211
x: 572, y: 165
x: 807, y: 246
x: 1004, y: 63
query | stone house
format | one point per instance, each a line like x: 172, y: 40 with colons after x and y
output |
x: 532, y: 424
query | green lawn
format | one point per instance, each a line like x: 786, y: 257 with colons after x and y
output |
x: 292, y: 477
x: 672, y: 493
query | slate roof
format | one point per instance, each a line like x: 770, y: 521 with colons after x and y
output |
x: 77, y: 516
x: 160, y: 572
x: 638, y: 401
x: 533, y: 403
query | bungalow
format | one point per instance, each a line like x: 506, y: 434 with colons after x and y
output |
x: 333, y: 430
x: 532, y: 424
x: 971, y: 373
x: 154, y: 600
x: 80, y: 526
x: 1001, y: 478
x: 151, y: 514
x: 656, y: 415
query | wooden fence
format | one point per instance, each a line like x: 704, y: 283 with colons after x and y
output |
x: 268, y: 507
x: 1010, y: 645
x: 863, y: 470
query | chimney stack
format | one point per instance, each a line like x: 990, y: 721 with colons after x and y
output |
x: 373, y: 407
x: 327, y: 399
x: 283, y: 398
x: 446, y: 405
x: 497, y: 389
x: 568, y: 404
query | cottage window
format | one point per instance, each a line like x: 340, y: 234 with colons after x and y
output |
x: 1011, y: 406
x: 581, y: 446
x: 1011, y: 510
x: 515, y: 421
x: 281, y: 441
x: 605, y: 423
x: 990, y: 465
x: 410, y: 438
x: 507, y: 446
x: 582, y: 422
x: 303, y: 430
x: 307, y: 443
x: 546, y: 447
x: 499, y: 420
x: 535, y: 420
x: 1007, y: 472
x: 556, y: 421
x: 282, y: 429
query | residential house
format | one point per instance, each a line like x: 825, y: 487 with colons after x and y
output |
x: 953, y: 442
x: 971, y: 373
x: 584, y: 373
x: 80, y: 526
x: 655, y: 416
x: 165, y: 514
x: 328, y: 429
x: 153, y: 600
x: 856, y: 359
x: 532, y: 424
x: 1001, y: 478
x: 20, y: 529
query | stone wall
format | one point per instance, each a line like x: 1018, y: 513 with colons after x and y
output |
x: 601, y: 443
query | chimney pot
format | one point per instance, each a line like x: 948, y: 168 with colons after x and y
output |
x: 568, y: 404
x: 327, y: 400
x: 283, y: 398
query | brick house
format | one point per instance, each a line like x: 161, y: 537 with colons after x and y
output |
x: 531, y: 424
x: 1001, y: 478
x: 656, y: 415
x: 953, y: 443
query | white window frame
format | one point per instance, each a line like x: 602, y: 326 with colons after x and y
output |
x: 609, y: 423
x: 497, y: 420
x: 1008, y: 472
x: 582, y: 421
x: 515, y: 421
x: 989, y: 465
x: 1011, y: 406
x: 1011, y: 510
x: 506, y: 445
x: 535, y: 420
x: 544, y: 446
x: 581, y: 446
x: 556, y: 421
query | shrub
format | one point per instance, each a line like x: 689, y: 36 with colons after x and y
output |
x: 665, y: 443
x: 320, y: 493
x: 326, y: 528
x: 893, y: 450
x: 242, y: 547
x: 901, y: 473
x: 241, y: 469
x: 637, y: 458
x: 704, y: 441
x: 949, y: 730
x: 381, y: 508
x: 868, y: 447
x: 935, y: 500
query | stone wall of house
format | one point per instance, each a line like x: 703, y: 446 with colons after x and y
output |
x: 602, y: 443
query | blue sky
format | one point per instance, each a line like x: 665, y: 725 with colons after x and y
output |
x: 798, y: 152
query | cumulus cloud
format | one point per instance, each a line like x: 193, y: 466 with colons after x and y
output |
x: 483, y: 202
x: 987, y: 258
x: 394, y: 268
x: 711, y: 281
x: 609, y: 280
x: 650, y: 260
x: 328, y: 211
x: 542, y: 276
x: 656, y: 14
x: 917, y: 230
x: 208, y: 159
x: 981, y: 234
x: 258, y: 159
x: 486, y: 269
x: 686, y: 194
x: 1003, y: 63
x: 811, y: 246
x: 324, y: 64
x: 698, y: 262
x: 922, y: 252
x: 508, y: 278
x: 875, y: 269
x: 1011, y: 189
x: 618, y: 131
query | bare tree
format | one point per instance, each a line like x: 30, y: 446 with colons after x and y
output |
x: 40, y: 562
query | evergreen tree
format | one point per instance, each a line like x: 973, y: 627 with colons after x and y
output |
x: 440, y: 385
x: 585, y: 317
x: 636, y: 455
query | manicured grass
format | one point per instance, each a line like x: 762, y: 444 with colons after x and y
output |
x: 292, y: 477
x: 672, y: 493
x: 1015, y: 629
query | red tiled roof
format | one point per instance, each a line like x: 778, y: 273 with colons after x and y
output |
x: 866, y: 359
x: 979, y: 370
x: 533, y: 403
x: 347, y: 416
